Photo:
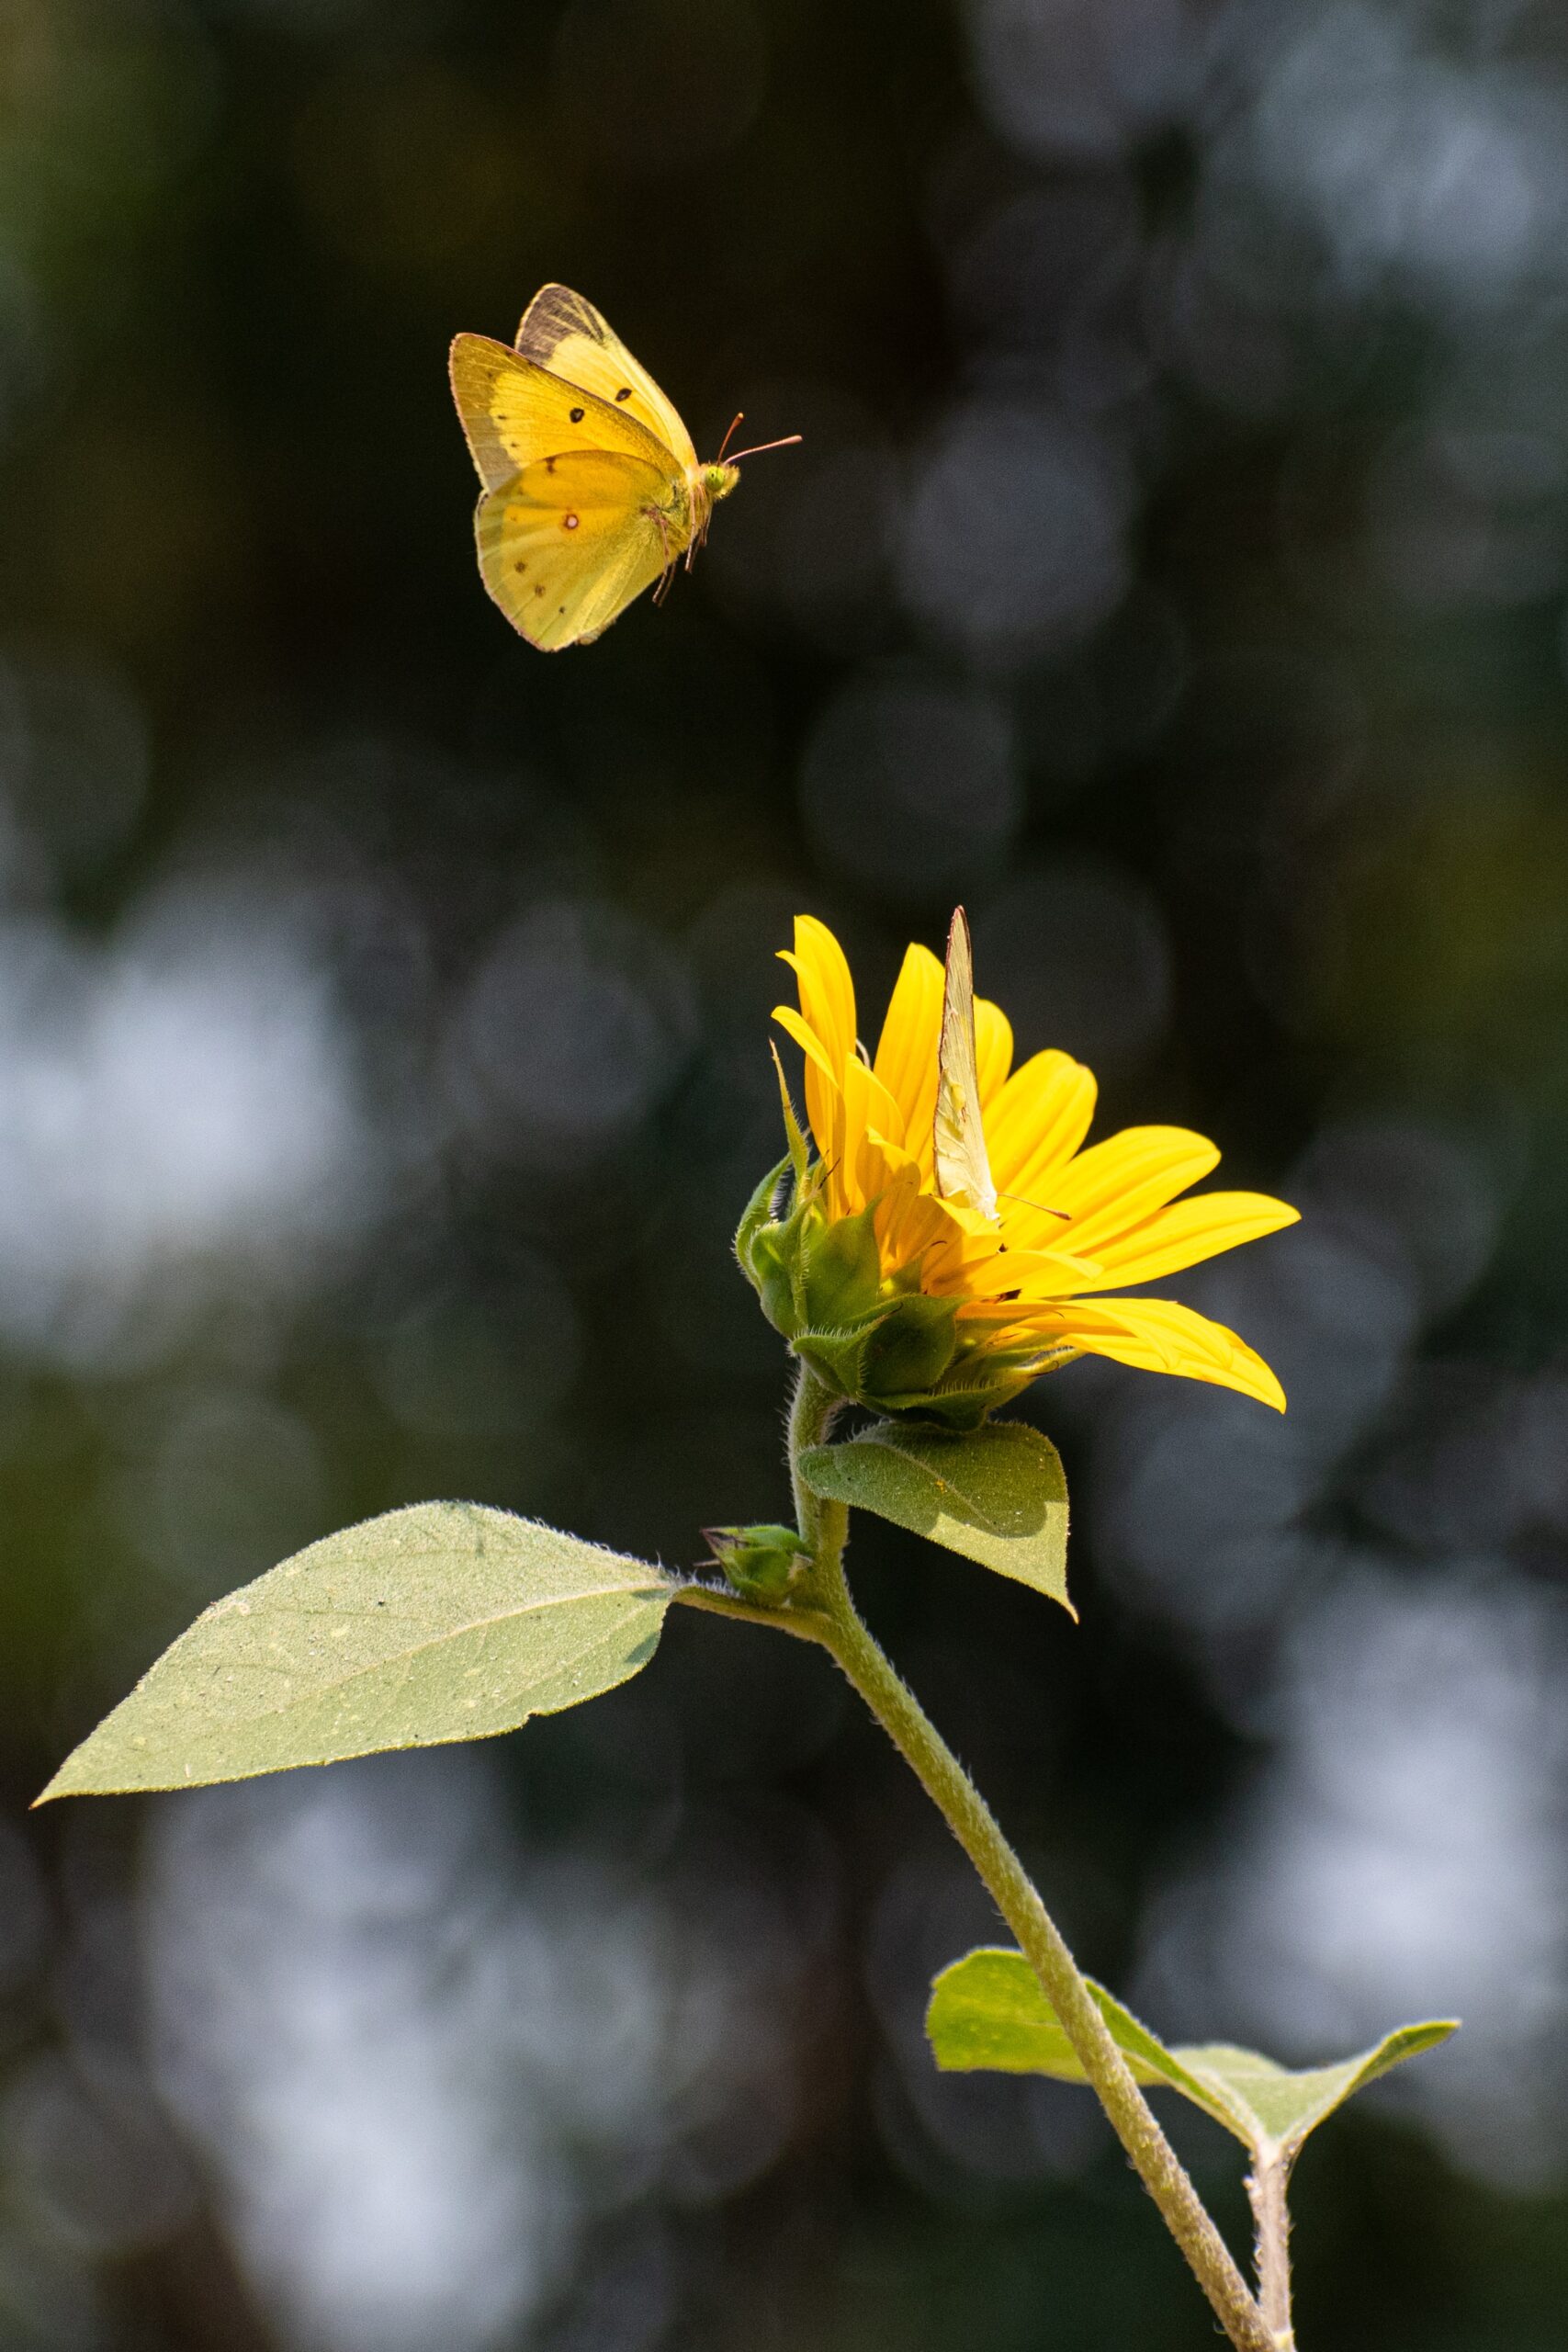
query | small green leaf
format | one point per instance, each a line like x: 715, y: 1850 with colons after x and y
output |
x: 443, y: 1621
x: 1276, y: 2107
x: 987, y: 2010
x: 995, y: 1494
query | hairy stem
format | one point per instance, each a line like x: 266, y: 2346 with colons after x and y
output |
x: 1040, y: 1940
x: 803, y: 1623
x: 1267, y: 2187
x: 840, y: 1629
x: 824, y: 1526
x: 819, y: 1609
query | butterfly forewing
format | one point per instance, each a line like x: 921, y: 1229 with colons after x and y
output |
x: 513, y: 410
x: 568, y: 336
x: 962, y: 1165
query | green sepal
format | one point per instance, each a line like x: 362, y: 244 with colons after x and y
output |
x: 757, y: 1218
x: 774, y: 1274
x: 835, y: 1357
x: 841, y: 1270
x: 908, y: 1351
x: 767, y: 1249
x: 760, y: 1561
x: 799, y: 1150
x: 959, y: 1411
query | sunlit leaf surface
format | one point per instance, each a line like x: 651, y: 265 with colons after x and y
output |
x: 443, y: 1622
x: 988, y: 2011
x: 996, y: 1494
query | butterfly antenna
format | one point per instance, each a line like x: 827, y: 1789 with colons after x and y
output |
x: 728, y: 436
x: 788, y: 442
x: 1024, y: 1202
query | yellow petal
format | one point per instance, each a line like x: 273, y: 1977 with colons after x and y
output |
x: 1114, y: 1185
x: 910, y: 1226
x: 870, y: 1104
x: 1037, y: 1122
x: 1188, y: 1232
x: 1031, y: 1277
x: 906, y: 1049
x: 810, y: 1044
x: 824, y: 1102
x: 826, y: 991
x: 1156, y: 1335
x: 993, y: 1047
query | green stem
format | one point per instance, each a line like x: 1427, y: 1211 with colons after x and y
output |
x: 806, y: 1624
x: 843, y: 1632
x: 824, y: 1526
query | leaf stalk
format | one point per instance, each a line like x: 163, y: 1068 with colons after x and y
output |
x: 1268, y: 2185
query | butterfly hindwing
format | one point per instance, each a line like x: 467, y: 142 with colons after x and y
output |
x: 962, y: 1165
x: 567, y: 335
x: 565, y: 543
x: 513, y: 410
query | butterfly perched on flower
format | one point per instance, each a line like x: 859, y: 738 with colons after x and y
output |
x: 962, y: 1164
x: 592, y: 488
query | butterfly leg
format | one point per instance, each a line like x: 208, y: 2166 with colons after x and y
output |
x: 668, y: 574
x: 699, y: 536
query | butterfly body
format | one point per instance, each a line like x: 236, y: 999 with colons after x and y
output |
x: 591, y: 489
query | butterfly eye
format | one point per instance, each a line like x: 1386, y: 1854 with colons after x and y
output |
x: 578, y: 414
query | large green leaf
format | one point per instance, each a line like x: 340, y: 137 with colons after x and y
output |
x: 996, y: 1494
x: 987, y: 2010
x: 447, y: 1620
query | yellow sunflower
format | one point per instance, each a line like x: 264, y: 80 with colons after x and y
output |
x: 946, y: 1306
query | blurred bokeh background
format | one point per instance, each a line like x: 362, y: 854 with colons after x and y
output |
x: 1176, y: 568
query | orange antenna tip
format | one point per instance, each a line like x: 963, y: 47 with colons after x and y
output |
x: 787, y: 443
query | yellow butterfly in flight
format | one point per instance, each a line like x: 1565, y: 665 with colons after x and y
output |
x: 592, y: 489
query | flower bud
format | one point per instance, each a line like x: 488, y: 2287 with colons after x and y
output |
x: 766, y: 1247
x: 761, y: 1562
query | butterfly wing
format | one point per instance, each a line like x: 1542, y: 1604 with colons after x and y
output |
x: 962, y: 1165
x: 566, y: 543
x: 513, y: 410
x: 583, y: 507
x: 564, y: 333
